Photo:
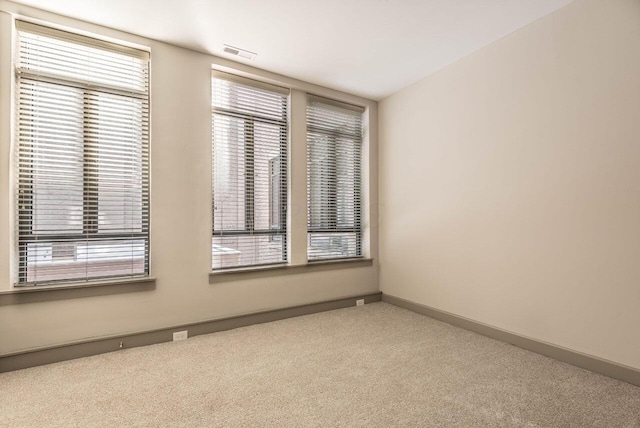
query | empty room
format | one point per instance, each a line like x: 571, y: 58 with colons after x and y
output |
x: 336, y: 213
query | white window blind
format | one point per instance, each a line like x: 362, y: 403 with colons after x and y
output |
x: 250, y: 128
x: 82, y: 139
x: 334, y: 149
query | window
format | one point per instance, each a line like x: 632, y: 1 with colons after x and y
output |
x: 249, y: 122
x: 82, y: 153
x: 334, y: 147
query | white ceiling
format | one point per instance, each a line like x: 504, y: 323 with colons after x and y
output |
x: 367, y: 47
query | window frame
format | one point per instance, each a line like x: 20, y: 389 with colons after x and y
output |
x: 333, y: 137
x: 25, y: 189
x: 249, y: 121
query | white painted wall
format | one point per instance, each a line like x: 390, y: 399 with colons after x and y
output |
x: 180, y: 211
x: 510, y: 183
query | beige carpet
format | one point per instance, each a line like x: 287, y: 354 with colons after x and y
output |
x: 376, y: 365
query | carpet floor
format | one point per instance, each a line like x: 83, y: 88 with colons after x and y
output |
x: 376, y: 366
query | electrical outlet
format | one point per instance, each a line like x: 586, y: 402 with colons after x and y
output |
x: 180, y: 335
x: 359, y: 302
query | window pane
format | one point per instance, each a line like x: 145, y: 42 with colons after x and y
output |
x: 347, y: 184
x: 266, y: 169
x: 246, y: 250
x: 321, y: 181
x: 229, y: 183
x: 45, y: 50
x: 332, y: 245
x: 60, y: 260
x: 51, y: 156
x: 248, y: 100
x: 117, y: 139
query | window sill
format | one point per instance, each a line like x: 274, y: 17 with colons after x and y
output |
x: 72, y: 290
x: 232, y: 274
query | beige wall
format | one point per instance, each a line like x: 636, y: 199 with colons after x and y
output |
x: 510, y: 183
x: 180, y: 212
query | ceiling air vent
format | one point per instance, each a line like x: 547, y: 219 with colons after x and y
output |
x: 243, y: 53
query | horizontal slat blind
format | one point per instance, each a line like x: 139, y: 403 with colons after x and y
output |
x: 249, y: 122
x: 334, y: 149
x: 82, y: 157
